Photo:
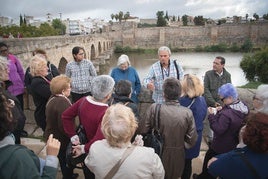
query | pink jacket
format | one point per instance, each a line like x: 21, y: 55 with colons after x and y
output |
x: 16, y: 75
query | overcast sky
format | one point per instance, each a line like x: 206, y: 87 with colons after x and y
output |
x: 81, y: 9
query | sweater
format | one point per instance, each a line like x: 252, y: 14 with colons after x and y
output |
x: 90, y: 115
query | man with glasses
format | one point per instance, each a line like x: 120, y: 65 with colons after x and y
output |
x: 213, y: 80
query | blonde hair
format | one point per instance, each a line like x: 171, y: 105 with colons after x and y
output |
x: 36, y: 65
x: 59, y: 83
x: 192, y: 86
x: 118, y: 125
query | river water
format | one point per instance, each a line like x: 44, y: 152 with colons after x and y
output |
x: 192, y: 63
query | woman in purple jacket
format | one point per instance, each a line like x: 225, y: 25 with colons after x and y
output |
x: 226, y: 123
x: 16, y: 73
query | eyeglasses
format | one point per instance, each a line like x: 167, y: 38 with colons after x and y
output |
x: 81, y: 54
x: 222, y: 99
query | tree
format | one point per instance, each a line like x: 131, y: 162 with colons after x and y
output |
x: 59, y: 26
x: 199, y: 20
x: 120, y: 16
x: 116, y: 17
x: 265, y: 16
x: 112, y: 16
x: 160, y: 19
x: 24, y: 20
x: 21, y: 20
x: 256, y: 16
x: 246, y: 17
x: 166, y: 16
x: 185, y: 20
x: 256, y: 65
x: 178, y: 18
x: 126, y: 16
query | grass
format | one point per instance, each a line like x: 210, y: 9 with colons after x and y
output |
x: 251, y: 85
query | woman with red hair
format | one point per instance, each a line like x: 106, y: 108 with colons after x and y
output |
x: 250, y: 161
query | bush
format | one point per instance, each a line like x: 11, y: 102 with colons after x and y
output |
x: 247, y: 46
x: 256, y: 66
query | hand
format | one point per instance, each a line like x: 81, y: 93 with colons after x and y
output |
x: 53, y: 146
x: 138, y: 140
x: 217, y: 104
x: 75, y: 140
x: 213, y: 159
x: 212, y: 110
x: 78, y: 150
x: 150, y: 86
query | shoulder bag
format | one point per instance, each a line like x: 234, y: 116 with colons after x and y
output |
x: 153, y: 138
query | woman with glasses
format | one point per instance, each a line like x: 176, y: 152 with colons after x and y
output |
x: 81, y: 71
x: 226, y: 123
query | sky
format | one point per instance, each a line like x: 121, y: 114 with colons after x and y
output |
x: 102, y: 9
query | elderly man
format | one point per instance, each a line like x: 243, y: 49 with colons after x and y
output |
x: 161, y: 70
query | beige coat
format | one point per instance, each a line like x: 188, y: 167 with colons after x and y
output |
x: 141, y: 163
x: 177, y: 126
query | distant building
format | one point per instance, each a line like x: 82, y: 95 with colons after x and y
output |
x: 4, y: 21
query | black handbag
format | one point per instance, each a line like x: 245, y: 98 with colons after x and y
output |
x: 153, y: 138
x: 72, y: 161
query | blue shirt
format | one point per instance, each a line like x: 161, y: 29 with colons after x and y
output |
x: 131, y: 75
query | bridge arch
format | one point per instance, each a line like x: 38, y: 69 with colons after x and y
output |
x: 92, y: 53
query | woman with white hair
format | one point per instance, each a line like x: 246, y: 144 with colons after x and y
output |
x: 90, y: 110
x: 118, y: 126
x: 260, y: 99
x: 124, y: 71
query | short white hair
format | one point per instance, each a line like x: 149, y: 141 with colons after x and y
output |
x: 123, y: 59
x: 164, y: 48
x: 262, y: 94
x: 102, y: 86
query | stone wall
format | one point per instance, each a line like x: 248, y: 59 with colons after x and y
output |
x: 190, y: 36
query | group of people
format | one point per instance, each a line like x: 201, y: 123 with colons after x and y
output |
x: 107, y: 107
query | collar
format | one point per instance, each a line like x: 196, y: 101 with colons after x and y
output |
x: 8, y: 140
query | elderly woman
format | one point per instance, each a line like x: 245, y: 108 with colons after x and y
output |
x: 17, y: 111
x: 250, y: 161
x: 40, y: 88
x: 60, y: 87
x: 177, y: 126
x: 124, y: 71
x: 118, y: 126
x: 90, y: 111
x: 260, y: 99
x: 52, y: 69
x: 225, y: 122
x: 17, y: 161
x: 260, y: 104
x: 192, y: 91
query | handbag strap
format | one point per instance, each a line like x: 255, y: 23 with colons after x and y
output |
x: 191, y: 103
x: 116, y: 167
x: 246, y: 161
x: 176, y: 66
x: 157, y: 118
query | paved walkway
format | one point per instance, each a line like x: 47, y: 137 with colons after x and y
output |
x: 35, y: 143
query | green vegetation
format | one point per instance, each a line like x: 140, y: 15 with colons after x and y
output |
x: 161, y: 20
x: 127, y: 49
x: 251, y: 85
x: 255, y: 66
x: 45, y: 29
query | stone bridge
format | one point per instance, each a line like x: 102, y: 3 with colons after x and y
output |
x: 59, y: 48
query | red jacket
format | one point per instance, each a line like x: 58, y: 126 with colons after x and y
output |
x: 90, y: 115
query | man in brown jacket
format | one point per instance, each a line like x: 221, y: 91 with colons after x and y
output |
x: 176, y: 125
